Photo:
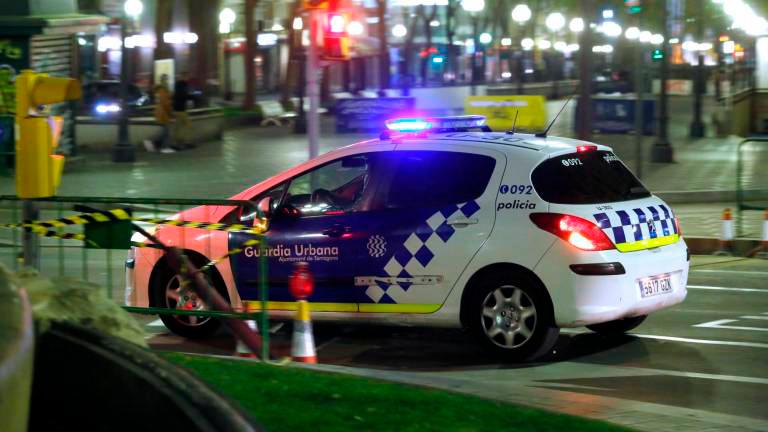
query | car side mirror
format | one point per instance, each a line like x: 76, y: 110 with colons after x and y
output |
x: 265, y: 206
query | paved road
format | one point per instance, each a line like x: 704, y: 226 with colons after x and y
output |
x: 699, y: 366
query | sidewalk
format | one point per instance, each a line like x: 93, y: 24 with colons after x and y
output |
x: 246, y: 156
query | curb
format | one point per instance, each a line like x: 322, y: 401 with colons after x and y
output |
x: 710, y: 245
x: 708, y: 196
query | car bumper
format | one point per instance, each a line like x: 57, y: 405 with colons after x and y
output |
x: 580, y: 300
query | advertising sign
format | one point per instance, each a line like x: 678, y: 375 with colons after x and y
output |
x: 500, y: 111
x: 369, y: 114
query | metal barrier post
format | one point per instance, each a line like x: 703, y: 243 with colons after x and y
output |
x: 30, y: 241
x: 740, y: 206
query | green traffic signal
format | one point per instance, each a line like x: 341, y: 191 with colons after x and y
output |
x: 657, y: 55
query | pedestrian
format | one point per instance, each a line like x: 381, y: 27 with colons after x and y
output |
x: 181, y: 124
x: 162, y: 117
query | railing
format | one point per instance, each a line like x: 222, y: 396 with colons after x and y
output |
x: 60, y: 237
x: 741, y: 204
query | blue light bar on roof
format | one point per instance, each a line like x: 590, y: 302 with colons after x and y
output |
x: 436, y: 123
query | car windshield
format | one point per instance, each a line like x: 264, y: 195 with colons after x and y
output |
x: 590, y: 177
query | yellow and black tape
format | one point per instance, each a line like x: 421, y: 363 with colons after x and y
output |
x: 124, y: 215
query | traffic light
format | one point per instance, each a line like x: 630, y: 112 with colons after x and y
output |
x: 335, y: 37
x: 657, y: 55
x: 633, y: 6
x: 38, y: 170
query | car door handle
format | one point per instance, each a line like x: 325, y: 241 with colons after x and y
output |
x: 461, y: 222
x: 336, y: 230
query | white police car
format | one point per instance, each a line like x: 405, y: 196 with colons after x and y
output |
x: 442, y: 222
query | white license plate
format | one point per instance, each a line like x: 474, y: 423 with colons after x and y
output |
x: 655, y: 285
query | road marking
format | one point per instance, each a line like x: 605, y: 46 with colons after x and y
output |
x: 719, y: 324
x: 744, y: 272
x: 156, y: 323
x: 754, y: 317
x: 716, y: 288
x: 682, y: 339
x: 732, y: 378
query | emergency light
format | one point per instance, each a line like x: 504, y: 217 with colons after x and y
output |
x: 437, y: 124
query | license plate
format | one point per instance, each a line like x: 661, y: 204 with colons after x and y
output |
x: 655, y: 285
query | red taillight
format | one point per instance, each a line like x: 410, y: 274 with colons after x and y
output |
x: 579, y: 232
x: 677, y: 227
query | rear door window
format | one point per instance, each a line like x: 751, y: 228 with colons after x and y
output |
x: 590, y: 177
x: 435, y: 178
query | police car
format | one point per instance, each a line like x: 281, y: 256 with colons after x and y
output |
x: 441, y: 222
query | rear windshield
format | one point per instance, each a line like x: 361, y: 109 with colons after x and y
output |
x: 590, y: 177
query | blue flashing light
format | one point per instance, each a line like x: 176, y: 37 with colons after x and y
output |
x: 408, y: 125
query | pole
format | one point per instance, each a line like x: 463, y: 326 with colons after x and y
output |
x: 662, y: 150
x: 473, y: 62
x: 697, y: 126
x: 313, y: 90
x: 30, y: 242
x: 123, y: 151
x: 585, y: 75
x: 639, y: 129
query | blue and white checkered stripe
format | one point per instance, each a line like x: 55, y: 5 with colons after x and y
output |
x: 417, y: 252
x: 627, y: 226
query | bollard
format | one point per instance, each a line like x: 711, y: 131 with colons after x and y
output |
x: 303, y: 343
x: 241, y: 350
x: 726, y: 234
x: 764, y: 239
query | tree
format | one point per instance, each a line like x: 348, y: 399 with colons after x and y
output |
x: 381, y: 12
x: 450, y: 33
x: 248, y: 54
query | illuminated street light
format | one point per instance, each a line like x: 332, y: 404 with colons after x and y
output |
x: 560, y: 46
x: 555, y: 21
x: 227, y: 16
x: 434, y: 23
x: 607, y: 14
x: 133, y: 8
x: 645, y: 36
x: 544, y: 44
x: 355, y: 28
x: 298, y: 23
x: 657, y: 39
x: 473, y: 5
x: 506, y: 41
x: 576, y: 25
x: 399, y: 30
x: 632, y: 33
x: 611, y: 29
x: 573, y: 47
x: 521, y: 13
x: 485, y: 38
x: 527, y: 44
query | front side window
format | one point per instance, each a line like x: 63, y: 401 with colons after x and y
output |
x: 436, y: 178
x: 336, y: 187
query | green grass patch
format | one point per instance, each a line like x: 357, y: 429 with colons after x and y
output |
x: 291, y: 399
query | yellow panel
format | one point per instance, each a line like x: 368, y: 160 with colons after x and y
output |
x: 648, y: 244
x: 500, y: 111
x: 314, y: 307
x: 399, y: 308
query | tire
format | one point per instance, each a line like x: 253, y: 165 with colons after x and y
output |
x: 190, y: 327
x: 617, y: 327
x: 511, y: 316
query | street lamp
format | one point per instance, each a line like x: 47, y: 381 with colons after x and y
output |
x: 521, y: 13
x: 226, y: 20
x: 632, y: 33
x: 576, y: 25
x: 123, y: 151
x: 485, y: 38
x: 473, y: 8
x: 555, y: 21
x: 399, y: 31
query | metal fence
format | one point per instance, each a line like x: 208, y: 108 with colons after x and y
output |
x: 88, y: 238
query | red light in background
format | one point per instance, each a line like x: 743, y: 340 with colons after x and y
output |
x: 586, y: 148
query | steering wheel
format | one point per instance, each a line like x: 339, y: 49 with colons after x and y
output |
x: 322, y: 196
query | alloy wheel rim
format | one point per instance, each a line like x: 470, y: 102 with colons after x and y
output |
x: 179, y: 297
x: 508, y: 316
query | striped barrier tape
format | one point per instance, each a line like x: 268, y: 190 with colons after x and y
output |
x: 124, y: 215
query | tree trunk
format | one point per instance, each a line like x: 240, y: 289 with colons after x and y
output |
x: 450, y: 61
x: 381, y: 10
x: 287, y: 89
x: 204, y: 53
x: 248, y: 54
x: 163, y: 17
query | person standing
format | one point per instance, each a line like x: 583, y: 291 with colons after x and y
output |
x: 162, y: 117
x: 181, y: 125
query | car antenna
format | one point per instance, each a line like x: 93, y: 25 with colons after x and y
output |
x: 514, y: 122
x: 544, y: 134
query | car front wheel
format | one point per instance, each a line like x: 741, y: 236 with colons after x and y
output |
x: 511, y: 316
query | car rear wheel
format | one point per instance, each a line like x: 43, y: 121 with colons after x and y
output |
x: 169, y: 292
x: 617, y: 327
x: 511, y: 317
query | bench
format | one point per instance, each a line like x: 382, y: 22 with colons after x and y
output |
x: 275, y: 114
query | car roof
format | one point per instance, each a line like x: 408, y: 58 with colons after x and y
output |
x: 499, y: 141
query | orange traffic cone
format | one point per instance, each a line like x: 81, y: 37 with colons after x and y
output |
x: 764, y: 240
x: 726, y: 234
x: 303, y: 344
x: 241, y: 350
